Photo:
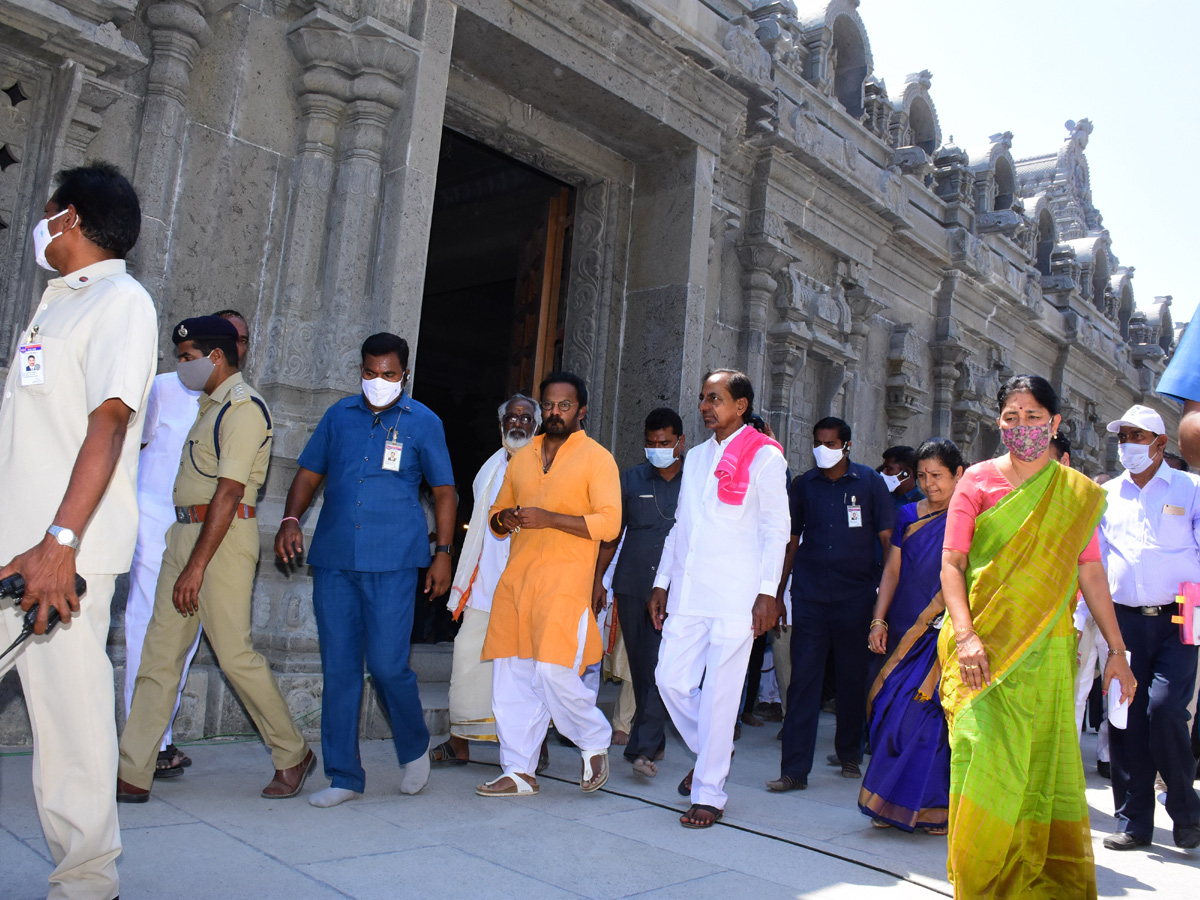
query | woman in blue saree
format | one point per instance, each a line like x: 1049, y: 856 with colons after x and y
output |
x: 907, y: 783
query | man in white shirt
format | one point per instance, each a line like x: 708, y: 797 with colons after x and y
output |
x: 722, y: 562
x: 1150, y: 540
x: 170, y: 413
x: 68, y: 463
x: 480, y: 565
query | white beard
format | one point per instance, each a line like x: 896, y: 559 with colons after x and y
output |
x: 513, y: 444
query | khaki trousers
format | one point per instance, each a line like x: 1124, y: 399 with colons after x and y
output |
x: 68, y: 684
x: 225, y: 615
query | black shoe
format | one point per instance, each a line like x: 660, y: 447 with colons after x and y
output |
x: 1123, y: 840
x: 1186, y: 836
x: 1104, y: 769
x: 851, y: 770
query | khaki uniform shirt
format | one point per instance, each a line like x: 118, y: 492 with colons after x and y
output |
x: 245, y: 445
x: 98, y: 337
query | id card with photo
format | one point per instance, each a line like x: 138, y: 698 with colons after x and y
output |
x: 392, y: 451
x: 31, y: 362
x: 854, y: 516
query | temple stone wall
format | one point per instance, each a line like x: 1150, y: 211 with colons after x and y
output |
x: 747, y: 193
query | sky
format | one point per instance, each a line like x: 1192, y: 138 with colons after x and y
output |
x: 1027, y: 67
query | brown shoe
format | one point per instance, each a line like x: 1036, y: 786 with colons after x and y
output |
x: 289, y: 782
x: 128, y: 793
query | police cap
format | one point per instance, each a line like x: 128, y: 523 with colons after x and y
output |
x: 203, y: 328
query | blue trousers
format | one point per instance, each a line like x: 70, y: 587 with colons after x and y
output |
x: 1156, y: 739
x: 818, y: 630
x: 366, y: 616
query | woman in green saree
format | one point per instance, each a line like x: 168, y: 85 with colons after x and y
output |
x: 1020, y: 542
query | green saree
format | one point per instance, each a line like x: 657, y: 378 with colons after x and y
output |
x: 1018, y: 816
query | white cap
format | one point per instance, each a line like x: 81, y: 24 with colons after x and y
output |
x: 1142, y: 417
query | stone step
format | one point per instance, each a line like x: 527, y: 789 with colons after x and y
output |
x: 431, y: 662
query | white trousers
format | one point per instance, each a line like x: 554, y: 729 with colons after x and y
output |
x: 143, y: 579
x: 717, y: 651
x: 526, y: 694
x: 68, y: 684
x: 1092, y: 648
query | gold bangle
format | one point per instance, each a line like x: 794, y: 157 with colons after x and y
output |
x: 875, y: 622
x: 966, y: 632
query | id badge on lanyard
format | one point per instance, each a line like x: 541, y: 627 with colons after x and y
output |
x: 854, y: 514
x: 393, y: 450
x: 32, y: 364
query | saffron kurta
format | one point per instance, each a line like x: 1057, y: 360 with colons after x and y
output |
x: 547, y: 584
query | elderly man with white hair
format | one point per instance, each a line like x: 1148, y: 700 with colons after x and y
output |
x: 482, y: 560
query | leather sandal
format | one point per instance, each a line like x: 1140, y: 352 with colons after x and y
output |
x: 522, y: 786
x: 594, y: 779
x: 171, y: 762
x: 686, y: 819
x: 443, y: 755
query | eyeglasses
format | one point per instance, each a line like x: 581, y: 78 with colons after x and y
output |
x: 563, y: 405
x: 524, y: 418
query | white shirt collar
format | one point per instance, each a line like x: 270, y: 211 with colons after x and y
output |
x: 725, y: 443
x: 81, y: 278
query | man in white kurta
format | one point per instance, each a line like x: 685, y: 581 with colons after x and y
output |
x: 480, y: 565
x: 721, y: 563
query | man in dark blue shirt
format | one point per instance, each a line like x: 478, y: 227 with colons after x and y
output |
x: 649, y: 496
x: 899, y: 471
x: 841, y: 513
x: 372, y: 450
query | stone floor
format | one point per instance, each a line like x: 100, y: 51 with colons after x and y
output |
x: 209, y: 835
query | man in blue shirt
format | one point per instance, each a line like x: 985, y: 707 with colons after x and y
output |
x: 841, y: 513
x: 372, y: 451
x: 899, y: 471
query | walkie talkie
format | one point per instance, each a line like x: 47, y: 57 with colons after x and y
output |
x: 14, y: 586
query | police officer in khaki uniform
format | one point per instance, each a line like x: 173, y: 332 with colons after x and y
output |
x: 207, y: 573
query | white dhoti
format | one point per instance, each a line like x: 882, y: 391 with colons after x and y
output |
x: 471, y: 715
x: 143, y: 579
x: 717, y: 651
x: 1092, y: 649
x: 527, y: 693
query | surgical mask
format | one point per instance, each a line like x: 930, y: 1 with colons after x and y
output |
x: 42, y: 238
x: 893, y: 481
x: 827, y: 457
x: 1026, y: 442
x: 380, y: 392
x: 661, y: 457
x: 194, y: 373
x: 1135, y: 457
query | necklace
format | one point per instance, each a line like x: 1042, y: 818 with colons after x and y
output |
x: 654, y: 491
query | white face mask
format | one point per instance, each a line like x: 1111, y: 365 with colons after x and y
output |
x: 380, y: 392
x: 42, y: 238
x: 827, y: 457
x: 1135, y: 457
x: 661, y: 457
x: 894, y: 481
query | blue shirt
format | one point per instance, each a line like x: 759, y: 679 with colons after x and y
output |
x: 835, y: 562
x: 1150, y: 537
x: 372, y: 519
x: 1181, y: 380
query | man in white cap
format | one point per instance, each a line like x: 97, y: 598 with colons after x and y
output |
x: 1150, y: 540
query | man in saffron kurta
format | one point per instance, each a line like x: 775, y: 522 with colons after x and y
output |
x: 561, y: 497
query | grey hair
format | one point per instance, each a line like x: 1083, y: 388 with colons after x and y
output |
x: 537, y: 410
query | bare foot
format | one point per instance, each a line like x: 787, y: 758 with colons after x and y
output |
x: 620, y: 738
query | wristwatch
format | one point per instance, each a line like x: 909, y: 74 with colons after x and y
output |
x: 448, y: 549
x: 64, y: 536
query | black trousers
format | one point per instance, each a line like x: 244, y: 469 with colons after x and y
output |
x: 818, y: 630
x: 642, y: 639
x: 1157, y: 738
x: 758, y: 652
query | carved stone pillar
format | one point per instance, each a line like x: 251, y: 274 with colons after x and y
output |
x: 178, y: 30
x: 947, y: 355
x: 762, y: 258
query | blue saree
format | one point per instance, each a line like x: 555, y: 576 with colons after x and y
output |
x: 907, y: 783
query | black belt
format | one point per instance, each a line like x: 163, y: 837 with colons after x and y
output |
x: 1165, y: 610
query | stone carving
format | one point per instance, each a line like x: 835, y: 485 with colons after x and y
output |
x: 912, y: 161
x: 744, y: 53
x: 585, y: 297
x: 906, y: 388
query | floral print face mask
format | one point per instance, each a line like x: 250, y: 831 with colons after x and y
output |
x: 1026, y: 442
